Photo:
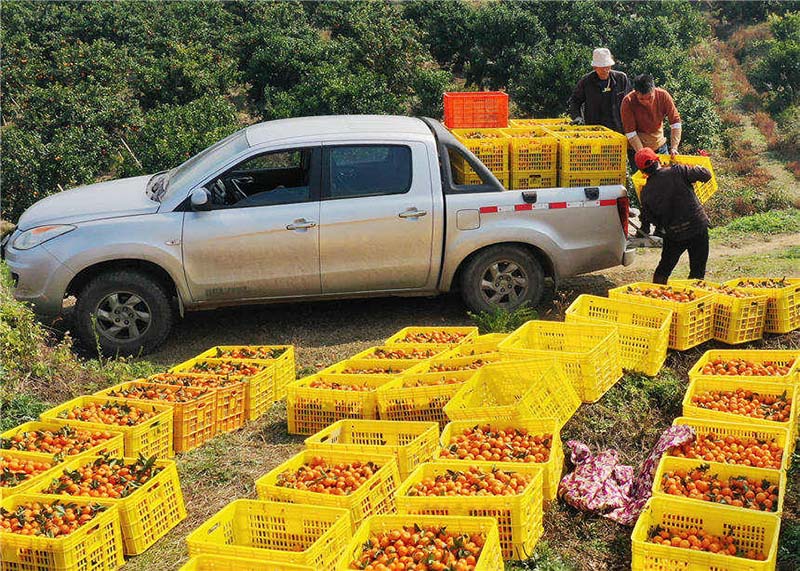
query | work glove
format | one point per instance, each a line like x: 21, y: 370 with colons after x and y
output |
x: 578, y: 121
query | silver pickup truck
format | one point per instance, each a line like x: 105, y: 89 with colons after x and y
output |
x: 304, y: 209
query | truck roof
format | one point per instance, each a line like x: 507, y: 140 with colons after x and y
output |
x: 333, y: 124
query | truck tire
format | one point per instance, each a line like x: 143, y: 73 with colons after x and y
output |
x: 125, y: 312
x: 505, y: 277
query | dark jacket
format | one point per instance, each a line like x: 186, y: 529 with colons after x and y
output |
x: 589, y: 95
x: 668, y: 201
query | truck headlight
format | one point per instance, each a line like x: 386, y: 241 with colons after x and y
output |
x: 35, y: 236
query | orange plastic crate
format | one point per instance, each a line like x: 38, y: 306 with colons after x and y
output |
x: 469, y: 109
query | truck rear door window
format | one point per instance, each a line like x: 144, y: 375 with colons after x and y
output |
x: 461, y: 172
x: 366, y: 170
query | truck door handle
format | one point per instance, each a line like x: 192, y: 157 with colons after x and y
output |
x: 413, y: 213
x: 301, y: 224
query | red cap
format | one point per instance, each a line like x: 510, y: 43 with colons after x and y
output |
x: 645, y: 157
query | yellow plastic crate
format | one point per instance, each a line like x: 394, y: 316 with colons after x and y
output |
x: 375, y: 496
x: 492, y: 151
x: 309, y: 409
x: 723, y: 472
x: 643, y: 330
x: 568, y: 179
x: 94, y: 546
x: 261, y: 531
x: 150, y: 438
x: 750, y: 530
x: 231, y: 395
x: 466, y: 175
x: 741, y: 429
x: 282, y: 357
x: 519, y: 517
x: 782, y: 357
x: 552, y: 468
x: 736, y: 320
x: 703, y: 190
x: 193, y: 421
x: 31, y: 483
x: 147, y: 514
x: 401, y: 400
x: 516, y: 390
x: 490, y: 558
x: 783, y: 305
x: 589, y: 149
x: 522, y: 180
x: 259, y: 385
x: 773, y: 389
x: 456, y: 360
x: 692, y: 321
x: 417, y: 352
x: 411, y: 443
x: 532, y: 149
x: 482, y: 345
x: 406, y: 335
x: 389, y: 368
x: 221, y: 563
x: 539, y: 122
x: 589, y: 353
x: 114, y: 445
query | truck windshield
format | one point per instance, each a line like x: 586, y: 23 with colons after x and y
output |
x: 193, y: 171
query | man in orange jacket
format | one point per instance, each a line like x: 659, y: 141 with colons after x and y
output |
x: 643, y: 112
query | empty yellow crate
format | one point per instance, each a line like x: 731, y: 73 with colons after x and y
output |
x: 147, y: 514
x: 193, y: 420
x: 453, y: 336
x: 643, y: 330
x: 281, y: 355
x: 532, y: 149
x: 703, y: 190
x: 783, y: 305
x: 310, y: 409
x: 736, y: 319
x: 152, y: 437
x: 589, y: 149
x: 30, y: 483
x: 546, y: 427
x: 114, y: 445
x: 222, y: 563
x: 420, y: 396
x: 780, y: 357
x: 692, y: 321
x: 375, y: 496
x: 750, y: 530
x: 411, y: 443
x: 490, y: 146
x: 490, y: 558
x: 519, y: 517
x: 588, y: 353
x: 721, y: 429
x: 94, y: 546
x: 724, y: 472
x: 568, y: 179
x: 257, y: 530
x: 516, y: 390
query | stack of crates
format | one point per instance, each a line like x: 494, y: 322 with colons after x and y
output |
x: 589, y: 155
x: 534, y: 157
x: 491, y: 146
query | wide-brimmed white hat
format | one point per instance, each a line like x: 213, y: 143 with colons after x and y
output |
x: 601, y: 57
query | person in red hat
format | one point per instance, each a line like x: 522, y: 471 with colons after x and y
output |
x: 668, y: 201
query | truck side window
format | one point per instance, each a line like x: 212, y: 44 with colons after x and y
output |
x: 461, y: 171
x: 367, y: 170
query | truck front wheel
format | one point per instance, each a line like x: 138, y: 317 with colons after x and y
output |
x: 124, y: 313
x: 505, y: 277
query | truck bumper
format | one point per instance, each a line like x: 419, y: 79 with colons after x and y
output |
x: 39, y: 278
x: 628, y: 256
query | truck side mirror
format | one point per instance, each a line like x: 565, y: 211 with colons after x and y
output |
x: 200, y: 200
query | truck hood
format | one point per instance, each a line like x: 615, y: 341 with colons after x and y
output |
x: 112, y: 199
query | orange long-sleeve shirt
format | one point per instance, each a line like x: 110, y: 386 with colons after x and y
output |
x: 647, y: 120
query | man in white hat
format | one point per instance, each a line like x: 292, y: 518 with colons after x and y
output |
x: 598, y: 96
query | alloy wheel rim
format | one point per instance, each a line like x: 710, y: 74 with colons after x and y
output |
x: 504, y: 283
x: 122, y: 316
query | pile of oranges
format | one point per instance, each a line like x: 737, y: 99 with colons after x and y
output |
x: 336, y: 386
x: 54, y: 519
x: 474, y: 481
x: 14, y: 471
x: 665, y: 293
x: 739, y: 491
x: 731, y: 450
x: 341, y: 479
x: 494, y: 444
x: 745, y: 402
x: 699, y: 540
x: 746, y: 368
x: 250, y: 353
x: 768, y: 283
x: 415, y: 353
x: 434, y: 382
x: 106, y: 478
x: 419, y: 549
x: 444, y: 367
x: 109, y: 412
x: 169, y: 393
x: 67, y: 440
x: 440, y: 337
x: 723, y: 289
x: 194, y: 380
x: 227, y: 368
x: 370, y: 371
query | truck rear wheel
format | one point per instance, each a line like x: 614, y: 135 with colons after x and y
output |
x: 124, y: 312
x: 504, y: 277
